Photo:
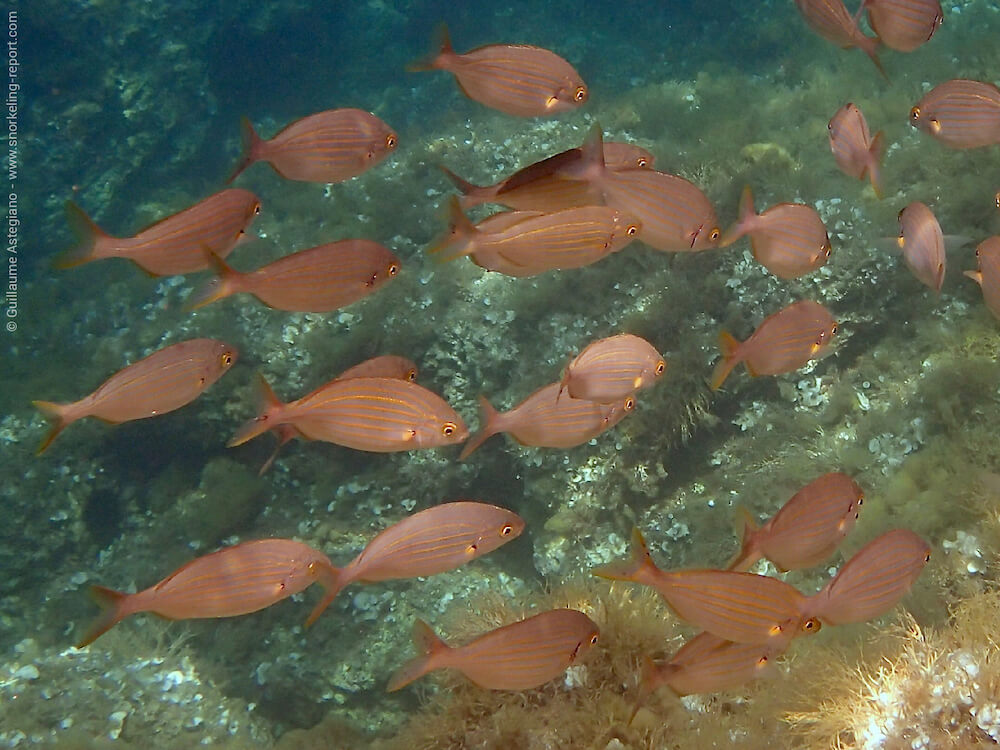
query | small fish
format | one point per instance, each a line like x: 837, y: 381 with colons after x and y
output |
x: 519, y: 656
x: 740, y: 607
x: 174, y: 245
x: 856, y: 152
x: 571, y: 238
x: 330, y: 146
x: 808, y: 528
x: 873, y: 580
x: 233, y: 581
x: 518, y: 79
x: 379, y: 415
x: 386, y: 366
x: 788, y: 239
x: 830, y: 19
x: 675, y: 216
x: 922, y: 243
x: 546, y: 421
x: 782, y: 343
x: 610, y: 369
x: 320, y: 279
x: 432, y: 541
x: 162, y: 382
x: 988, y: 275
x: 903, y: 25
x: 960, y: 113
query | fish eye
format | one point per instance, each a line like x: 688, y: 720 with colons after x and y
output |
x: 390, y: 140
x: 632, y: 230
x: 227, y: 359
x: 629, y: 404
x: 915, y: 114
x: 448, y: 429
x: 714, y: 234
x: 833, y: 330
x: 641, y: 162
x: 997, y: 201
x: 313, y: 567
x: 927, y: 557
x: 593, y: 639
x: 256, y: 209
x: 812, y: 625
x: 861, y: 500
x: 762, y: 661
x: 393, y: 269
x: 661, y: 367
x: 411, y: 375
x: 580, y: 95
x: 507, y: 530
x: 827, y: 250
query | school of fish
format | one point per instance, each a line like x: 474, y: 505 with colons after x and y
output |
x: 572, y: 209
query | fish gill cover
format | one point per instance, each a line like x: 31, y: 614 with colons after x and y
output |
x: 133, y: 112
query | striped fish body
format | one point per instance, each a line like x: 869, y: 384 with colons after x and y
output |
x: 960, y: 114
x: 874, y: 580
x: 831, y: 20
x: 675, y: 216
x: 904, y: 25
x: 988, y: 275
x: 380, y: 415
x: 709, y: 664
x: 330, y: 146
x: 174, y: 245
x: 384, y: 366
x: 922, y: 243
x: 610, y: 369
x: 519, y: 656
x: 855, y: 151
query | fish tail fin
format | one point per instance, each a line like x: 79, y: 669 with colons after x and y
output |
x: 269, y: 407
x: 285, y: 433
x: 333, y: 580
x: 214, y: 289
x: 472, y: 194
x: 488, y: 418
x: 252, y: 144
x: 113, y: 611
x: 429, y: 646
x: 746, y: 214
x: 58, y: 419
x: 638, y: 568
x: 745, y: 526
x: 728, y: 346
x: 869, y: 45
x: 88, y: 235
x: 435, y: 60
x: 875, y: 164
x: 460, y: 235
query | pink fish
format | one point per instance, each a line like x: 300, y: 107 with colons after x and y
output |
x: 612, y: 368
x: 988, y: 274
x: 788, y: 239
x: 856, y: 152
x: 960, y: 113
x: 903, y: 25
x: 922, y: 243
x: 830, y: 19
x: 782, y: 343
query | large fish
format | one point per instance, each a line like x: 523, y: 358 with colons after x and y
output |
x: 922, y: 242
x: 330, y: 146
x: 612, y: 368
x: 808, y: 528
x: 174, y: 245
x: 788, y: 239
x: 830, y: 19
x: 988, y: 273
x: 903, y: 25
x: 320, y: 279
x: 857, y: 153
x: 783, y: 342
x: 960, y: 113
x: 519, y: 656
x: 517, y: 79
x: 432, y: 541
x: 165, y: 380
x: 380, y: 415
x: 233, y: 581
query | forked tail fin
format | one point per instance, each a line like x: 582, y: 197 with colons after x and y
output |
x: 435, y: 60
x: 429, y: 646
x: 333, y: 581
x: 113, y: 611
x: 88, y: 235
x: 746, y: 528
x: 252, y: 144
x: 269, y: 408
x: 728, y: 346
x: 487, y: 428
x: 56, y: 414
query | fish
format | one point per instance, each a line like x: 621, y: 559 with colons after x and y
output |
x: 173, y: 245
x: 831, y: 20
x: 379, y: 415
x: 922, y: 243
x: 873, y: 581
x: 571, y: 238
x: 519, y: 656
x: 432, y: 541
x: 903, y: 25
x: 788, y: 239
x: 960, y: 114
x: 166, y: 380
x: 516, y: 79
x: 782, y: 343
x: 330, y: 146
x: 988, y: 273
x: 233, y: 581
x: 319, y: 279
x: 808, y: 528
x: 544, y: 420
x: 551, y: 184
x: 385, y: 366
x: 612, y: 368
x: 857, y: 154
x: 674, y: 215
x: 734, y: 606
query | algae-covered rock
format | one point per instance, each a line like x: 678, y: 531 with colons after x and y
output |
x: 227, y: 499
